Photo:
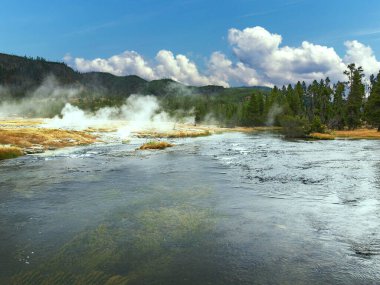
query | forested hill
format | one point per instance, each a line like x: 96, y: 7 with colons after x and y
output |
x: 22, y: 75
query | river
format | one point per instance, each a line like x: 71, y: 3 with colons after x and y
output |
x: 232, y: 208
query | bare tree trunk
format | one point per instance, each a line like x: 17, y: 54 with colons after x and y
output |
x: 378, y: 129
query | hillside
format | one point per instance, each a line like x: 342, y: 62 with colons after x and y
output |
x: 21, y: 75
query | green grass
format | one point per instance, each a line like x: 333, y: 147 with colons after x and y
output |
x: 7, y: 152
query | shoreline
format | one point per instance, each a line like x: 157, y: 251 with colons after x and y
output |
x: 21, y: 136
x: 358, y: 134
x: 24, y: 136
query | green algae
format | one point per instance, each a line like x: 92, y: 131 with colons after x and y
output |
x: 145, y: 240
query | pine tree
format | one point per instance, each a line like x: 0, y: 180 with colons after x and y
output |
x: 338, y: 117
x: 293, y: 98
x: 373, y: 104
x: 355, y: 96
x: 261, y: 104
x: 313, y: 99
x: 325, y: 101
x: 256, y: 109
x: 299, y: 93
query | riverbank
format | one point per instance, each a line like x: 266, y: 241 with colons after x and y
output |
x: 20, y: 136
x: 23, y: 136
x: 372, y: 134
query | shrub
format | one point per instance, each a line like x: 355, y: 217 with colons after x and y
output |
x: 317, y: 126
x: 294, y: 127
x: 155, y: 145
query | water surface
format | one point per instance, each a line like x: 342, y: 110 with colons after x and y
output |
x: 225, y: 209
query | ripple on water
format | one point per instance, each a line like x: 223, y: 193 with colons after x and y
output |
x: 224, y: 209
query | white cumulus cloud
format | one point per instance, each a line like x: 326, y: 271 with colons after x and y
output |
x: 223, y: 71
x: 363, y: 56
x: 179, y: 68
x: 259, y: 59
x: 166, y: 65
x: 259, y: 49
x: 126, y: 63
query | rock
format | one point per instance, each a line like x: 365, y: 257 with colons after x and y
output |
x: 34, y: 149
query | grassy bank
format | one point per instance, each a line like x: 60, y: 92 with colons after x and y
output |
x: 7, y: 152
x: 18, y: 138
x: 27, y: 137
x: 348, y: 134
x: 174, y: 134
x: 187, y: 131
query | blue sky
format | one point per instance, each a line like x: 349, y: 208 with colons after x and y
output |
x: 194, y: 28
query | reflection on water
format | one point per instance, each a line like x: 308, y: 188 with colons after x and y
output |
x: 225, y: 209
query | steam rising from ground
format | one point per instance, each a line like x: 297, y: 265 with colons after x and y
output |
x: 274, y: 111
x: 45, y: 101
x: 136, y: 114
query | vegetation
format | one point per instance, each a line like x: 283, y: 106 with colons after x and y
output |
x: 24, y: 136
x: 22, y: 75
x: 322, y: 136
x: 309, y: 108
x: 355, y: 96
x: 295, y: 127
x: 155, y: 145
x: 27, y: 137
x: 189, y: 134
x: 143, y: 242
x: 20, y: 122
x: 373, y: 103
x: 300, y: 109
x: 348, y: 134
x: 7, y: 152
x: 175, y: 134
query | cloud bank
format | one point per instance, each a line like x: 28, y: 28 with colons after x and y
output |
x: 259, y: 58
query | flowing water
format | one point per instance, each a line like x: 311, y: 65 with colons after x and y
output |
x: 225, y: 209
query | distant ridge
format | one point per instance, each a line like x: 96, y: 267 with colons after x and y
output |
x: 21, y: 75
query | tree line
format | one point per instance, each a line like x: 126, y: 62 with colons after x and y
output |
x: 312, y: 107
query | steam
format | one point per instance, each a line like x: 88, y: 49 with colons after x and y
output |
x: 179, y: 89
x: 44, y: 101
x: 138, y: 113
x: 75, y: 118
x: 210, y: 119
x: 3, y: 92
x: 274, y: 111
